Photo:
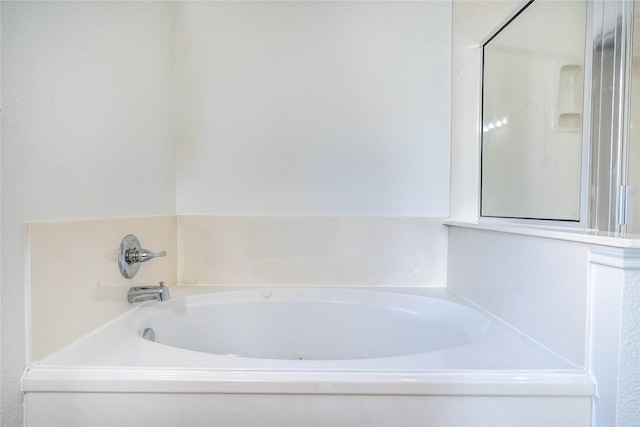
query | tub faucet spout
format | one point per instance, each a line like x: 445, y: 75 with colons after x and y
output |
x: 148, y: 293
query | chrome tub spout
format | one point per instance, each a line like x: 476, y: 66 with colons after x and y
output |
x: 148, y: 293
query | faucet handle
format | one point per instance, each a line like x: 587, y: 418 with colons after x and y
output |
x: 143, y: 255
x: 131, y: 255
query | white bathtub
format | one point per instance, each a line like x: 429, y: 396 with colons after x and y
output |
x: 307, y: 356
x: 313, y: 324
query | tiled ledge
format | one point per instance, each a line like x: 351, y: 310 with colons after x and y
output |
x: 573, y: 235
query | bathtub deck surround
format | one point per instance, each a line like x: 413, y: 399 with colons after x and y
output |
x: 489, y: 368
x: 312, y: 250
x: 69, y: 299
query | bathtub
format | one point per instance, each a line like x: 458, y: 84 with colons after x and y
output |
x: 306, y: 356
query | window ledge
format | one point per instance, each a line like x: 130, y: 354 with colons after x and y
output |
x: 574, y: 235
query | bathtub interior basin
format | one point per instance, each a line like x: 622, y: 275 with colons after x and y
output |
x: 303, y: 329
x: 311, y: 324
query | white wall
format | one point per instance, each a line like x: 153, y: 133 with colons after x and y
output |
x: 86, y: 133
x: 313, y: 108
x: 628, y: 402
x: 615, y: 336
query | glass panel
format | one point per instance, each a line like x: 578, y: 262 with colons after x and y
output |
x: 633, y: 149
x: 532, y: 114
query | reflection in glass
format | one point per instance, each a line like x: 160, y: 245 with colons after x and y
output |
x: 532, y: 114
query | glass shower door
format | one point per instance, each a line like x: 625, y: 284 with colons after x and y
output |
x: 631, y: 166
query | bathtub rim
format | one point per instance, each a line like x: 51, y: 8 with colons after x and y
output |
x: 462, y: 383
